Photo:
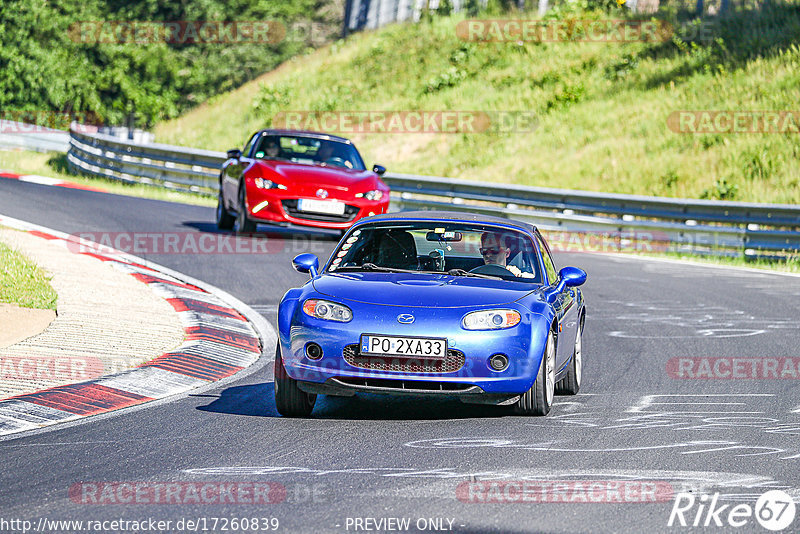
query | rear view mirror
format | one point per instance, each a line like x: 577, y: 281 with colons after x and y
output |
x: 378, y: 169
x: 234, y: 153
x: 444, y: 236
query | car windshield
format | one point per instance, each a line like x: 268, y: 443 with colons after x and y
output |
x: 309, y: 151
x: 457, y: 249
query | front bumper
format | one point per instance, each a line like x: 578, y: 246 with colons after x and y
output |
x: 523, y: 344
x: 466, y: 393
x: 278, y: 206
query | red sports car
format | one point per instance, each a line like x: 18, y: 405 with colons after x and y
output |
x: 304, y: 178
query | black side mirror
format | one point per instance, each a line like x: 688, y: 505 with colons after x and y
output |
x: 234, y: 153
x: 378, y: 169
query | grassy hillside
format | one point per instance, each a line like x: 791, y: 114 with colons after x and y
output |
x: 602, y: 108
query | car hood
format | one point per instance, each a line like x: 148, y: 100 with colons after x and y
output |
x: 330, y: 177
x: 420, y: 290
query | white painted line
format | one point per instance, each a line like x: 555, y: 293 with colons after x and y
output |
x: 648, y: 401
x: 43, y: 180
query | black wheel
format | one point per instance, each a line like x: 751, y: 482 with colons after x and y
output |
x: 538, y: 399
x: 243, y: 224
x: 290, y: 400
x: 571, y: 383
x: 224, y: 219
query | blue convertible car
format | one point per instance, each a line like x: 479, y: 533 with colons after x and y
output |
x: 433, y: 303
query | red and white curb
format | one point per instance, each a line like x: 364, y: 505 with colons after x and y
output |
x: 46, y: 180
x: 223, y: 336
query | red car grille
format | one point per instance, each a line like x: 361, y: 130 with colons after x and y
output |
x: 290, y: 207
x: 452, y: 362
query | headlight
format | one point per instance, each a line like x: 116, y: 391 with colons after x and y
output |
x: 375, y: 194
x: 261, y: 183
x: 491, y: 319
x: 330, y: 311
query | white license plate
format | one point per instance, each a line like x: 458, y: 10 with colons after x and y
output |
x: 411, y: 347
x: 329, y: 207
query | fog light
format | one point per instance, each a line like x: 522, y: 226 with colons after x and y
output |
x: 261, y: 206
x: 498, y: 362
x: 313, y: 351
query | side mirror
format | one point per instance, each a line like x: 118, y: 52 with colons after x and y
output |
x: 306, y: 263
x: 378, y: 169
x: 234, y: 153
x: 572, y: 276
x: 567, y: 277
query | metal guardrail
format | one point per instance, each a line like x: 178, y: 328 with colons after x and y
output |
x: 696, y: 226
x: 180, y: 168
x: 29, y: 137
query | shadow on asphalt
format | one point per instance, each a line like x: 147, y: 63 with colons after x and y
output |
x: 270, y: 232
x: 254, y: 399
x: 258, y: 400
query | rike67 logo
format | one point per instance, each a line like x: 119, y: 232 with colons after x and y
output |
x: 774, y: 510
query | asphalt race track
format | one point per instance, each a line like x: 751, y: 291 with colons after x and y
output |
x: 379, y: 458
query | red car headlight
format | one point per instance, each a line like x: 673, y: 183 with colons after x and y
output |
x: 375, y: 194
x: 262, y: 183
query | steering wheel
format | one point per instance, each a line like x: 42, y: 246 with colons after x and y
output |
x: 339, y: 162
x: 491, y: 269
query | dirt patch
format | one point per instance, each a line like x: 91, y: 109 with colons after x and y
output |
x: 21, y: 323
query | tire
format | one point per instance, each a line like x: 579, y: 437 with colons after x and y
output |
x: 243, y: 224
x: 571, y: 383
x: 539, y: 399
x: 290, y: 400
x: 224, y: 219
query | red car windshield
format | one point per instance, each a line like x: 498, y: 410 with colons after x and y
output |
x: 309, y: 151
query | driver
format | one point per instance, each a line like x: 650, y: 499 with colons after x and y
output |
x: 495, y: 251
x: 273, y: 149
x: 325, y: 151
x: 331, y: 154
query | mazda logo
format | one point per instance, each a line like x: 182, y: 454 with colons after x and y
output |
x: 321, y: 193
x: 405, y: 318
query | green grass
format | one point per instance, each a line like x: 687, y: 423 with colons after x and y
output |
x: 54, y: 165
x: 23, y: 283
x: 601, y: 108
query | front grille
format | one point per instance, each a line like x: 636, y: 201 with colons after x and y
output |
x: 452, y: 362
x: 290, y: 207
x: 407, y: 385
